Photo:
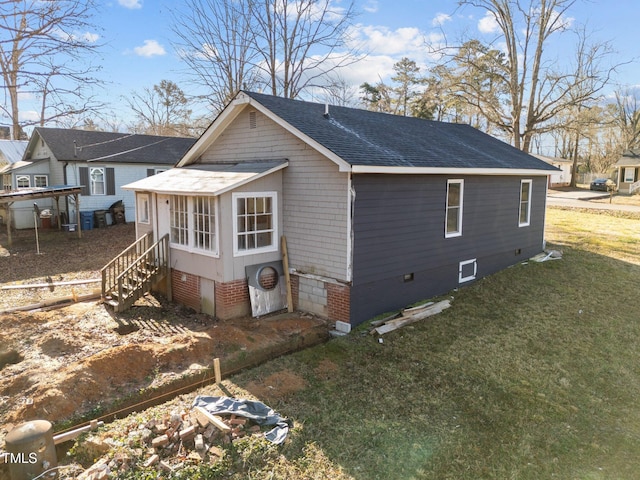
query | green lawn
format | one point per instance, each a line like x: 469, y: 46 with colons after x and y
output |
x: 531, y: 374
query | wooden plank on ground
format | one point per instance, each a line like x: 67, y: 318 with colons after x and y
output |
x: 212, y: 419
x: 397, y: 323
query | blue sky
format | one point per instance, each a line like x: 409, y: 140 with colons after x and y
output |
x: 138, y: 51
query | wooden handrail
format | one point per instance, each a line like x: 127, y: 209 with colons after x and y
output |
x: 156, y: 255
x: 111, y: 270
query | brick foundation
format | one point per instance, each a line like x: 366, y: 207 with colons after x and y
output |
x: 186, y: 289
x: 339, y: 302
x: 232, y: 299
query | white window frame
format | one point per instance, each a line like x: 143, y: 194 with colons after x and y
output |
x: 211, y: 218
x: 23, y: 177
x: 143, y: 208
x: 94, y: 184
x: 461, y: 266
x: 458, y: 231
x: 46, y: 180
x: 187, y: 218
x: 6, y: 180
x: 527, y: 221
x: 629, y: 174
x: 237, y: 252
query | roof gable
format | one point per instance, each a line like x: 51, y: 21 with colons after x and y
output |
x: 107, y: 147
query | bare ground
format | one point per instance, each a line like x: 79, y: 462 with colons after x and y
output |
x: 63, y: 363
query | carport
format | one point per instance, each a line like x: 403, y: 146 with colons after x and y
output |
x: 8, y: 198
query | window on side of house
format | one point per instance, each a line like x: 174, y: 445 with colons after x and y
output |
x: 453, y: 214
x: 6, y: 181
x: 193, y: 223
x: 97, y: 180
x: 41, y: 180
x: 143, y: 207
x: 23, y: 181
x: 254, y: 229
x: 525, y: 203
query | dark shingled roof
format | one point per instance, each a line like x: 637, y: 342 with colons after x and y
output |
x: 361, y: 137
x: 81, y: 146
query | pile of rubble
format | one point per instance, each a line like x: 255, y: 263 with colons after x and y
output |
x: 177, y: 440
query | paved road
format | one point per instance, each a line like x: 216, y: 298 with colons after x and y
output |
x: 581, y: 199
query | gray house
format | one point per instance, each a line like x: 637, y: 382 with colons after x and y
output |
x: 378, y: 211
x: 101, y: 162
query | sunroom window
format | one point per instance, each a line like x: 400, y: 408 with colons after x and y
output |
x: 255, y: 222
x: 193, y: 223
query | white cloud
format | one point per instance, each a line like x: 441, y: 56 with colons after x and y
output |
x: 151, y: 48
x: 371, y: 6
x: 440, y: 19
x: 130, y: 4
x: 29, y: 115
x: 384, y: 41
x: 488, y: 23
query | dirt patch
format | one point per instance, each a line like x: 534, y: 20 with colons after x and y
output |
x: 277, y: 386
x: 85, y: 360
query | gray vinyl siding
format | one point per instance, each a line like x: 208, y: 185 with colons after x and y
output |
x: 314, y: 196
x: 399, y: 230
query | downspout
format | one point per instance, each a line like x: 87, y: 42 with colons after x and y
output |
x: 66, y: 197
x: 351, y: 199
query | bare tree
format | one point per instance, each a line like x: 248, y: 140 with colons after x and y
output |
x: 218, y: 44
x: 285, y: 46
x: 43, y: 50
x: 162, y: 110
x: 537, y: 90
x: 302, y: 41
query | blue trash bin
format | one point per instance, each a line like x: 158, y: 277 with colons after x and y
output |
x: 86, y: 220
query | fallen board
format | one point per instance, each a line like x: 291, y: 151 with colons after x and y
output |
x: 423, y: 313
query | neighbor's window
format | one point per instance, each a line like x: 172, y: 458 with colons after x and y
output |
x: 97, y: 180
x: 143, y: 208
x: 255, y: 222
x: 629, y: 174
x: 453, y: 220
x: 525, y: 203
x: 41, y: 180
x: 193, y: 223
x: 23, y: 181
x: 6, y: 181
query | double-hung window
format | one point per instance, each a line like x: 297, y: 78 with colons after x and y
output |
x: 193, y: 223
x: 97, y: 180
x: 41, y: 180
x: 254, y: 229
x: 524, y: 217
x: 453, y: 213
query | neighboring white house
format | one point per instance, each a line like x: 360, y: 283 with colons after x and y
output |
x: 561, y: 178
x: 101, y: 162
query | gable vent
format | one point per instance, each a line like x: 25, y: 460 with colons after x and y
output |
x: 252, y: 120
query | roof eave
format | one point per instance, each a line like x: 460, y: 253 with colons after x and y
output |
x: 390, y: 170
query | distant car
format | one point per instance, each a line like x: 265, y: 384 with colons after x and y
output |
x: 604, y: 184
